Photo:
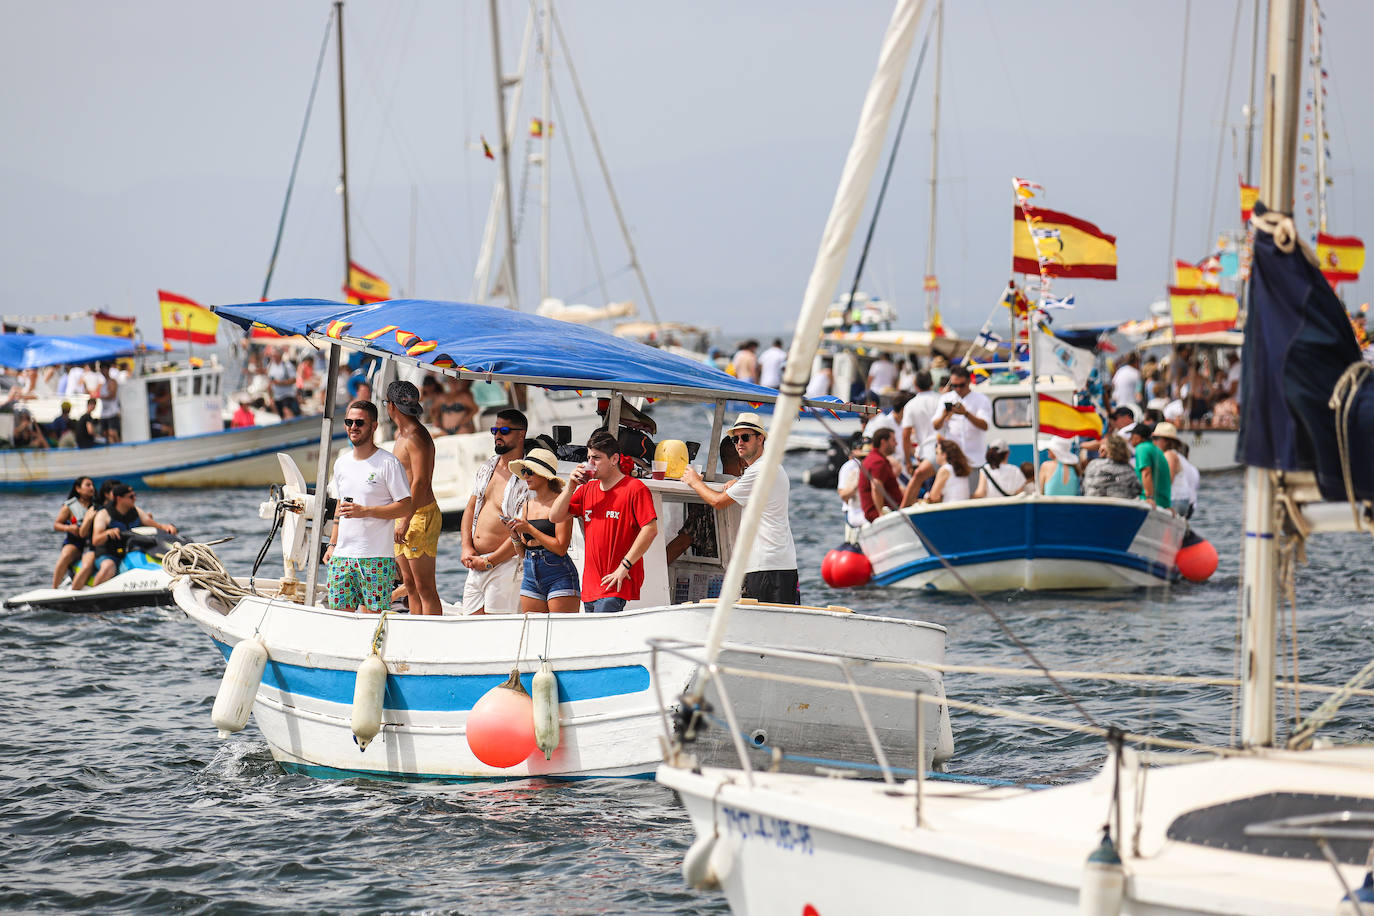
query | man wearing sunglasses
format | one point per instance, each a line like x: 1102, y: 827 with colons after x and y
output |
x: 772, y: 571
x: 494, y: 571
x: 371, y: 486
x: 964, y: 416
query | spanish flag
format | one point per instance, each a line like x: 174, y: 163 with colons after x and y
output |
x: 1201, y: 311
x: 1060, y: 419
x: 1248, y: 195
x: 184, y: 319
x: 1187, y: 276
x: 937, y: 327
x: 113, y: 325
x: 1341, y: 257
x: 365, y: 287
x: 1067, y: 245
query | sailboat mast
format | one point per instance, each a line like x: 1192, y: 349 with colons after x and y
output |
x: 1282, y: 88
x: 546, y: 138
x: 934, y: 161
x: 343, y: 141
x: 512, y: 297
x: 1250, y: 105
x: 1319, y: 114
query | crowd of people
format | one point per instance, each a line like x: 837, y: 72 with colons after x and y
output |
x: 92, y: 386
x: 518, y: 522
x: 95, y: 525
x: 1187, y: 388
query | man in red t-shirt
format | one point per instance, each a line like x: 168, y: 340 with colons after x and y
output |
x: 618, y: 525
x: 880, y: 487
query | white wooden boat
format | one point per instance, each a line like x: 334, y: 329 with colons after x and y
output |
x: 437, y: 667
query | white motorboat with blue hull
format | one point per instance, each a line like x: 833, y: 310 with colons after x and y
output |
x: 437, y: 667
x: 1033, y: 543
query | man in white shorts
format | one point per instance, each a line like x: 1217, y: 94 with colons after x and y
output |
x: 494, y: 568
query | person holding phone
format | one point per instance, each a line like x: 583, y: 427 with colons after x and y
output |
x: 494, y: 567
x: 371, y: 486
x: 964, y: 416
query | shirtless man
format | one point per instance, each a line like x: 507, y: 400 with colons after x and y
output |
x: 417, y: 534
x: 494, y: 571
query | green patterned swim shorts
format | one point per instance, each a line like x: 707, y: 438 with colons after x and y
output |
x: 361, y: 582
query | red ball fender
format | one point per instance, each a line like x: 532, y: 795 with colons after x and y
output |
x: 846, y: 567
x: 1198, y: 561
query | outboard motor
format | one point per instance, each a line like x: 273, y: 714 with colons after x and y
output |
x: 826, y: 475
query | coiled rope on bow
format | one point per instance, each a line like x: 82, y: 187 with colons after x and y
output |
x: 199, y: 563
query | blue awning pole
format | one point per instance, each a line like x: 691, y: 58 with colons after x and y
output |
x: 331, y: 389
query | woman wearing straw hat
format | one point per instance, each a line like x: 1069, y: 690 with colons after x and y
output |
x: 1059, y: 474
x: 551, y: 581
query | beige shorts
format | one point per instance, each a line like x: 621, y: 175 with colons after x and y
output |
x: 494, y: 591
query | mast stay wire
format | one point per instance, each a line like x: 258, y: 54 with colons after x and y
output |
x: 1221, y: 138
x: 581, y: 202
x: 296, y: 160
x: 891, y: 162
x: 601, y: 161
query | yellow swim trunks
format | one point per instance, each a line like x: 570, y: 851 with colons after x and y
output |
x: 422, y: 537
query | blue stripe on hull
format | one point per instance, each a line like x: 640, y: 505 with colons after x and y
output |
x: 445, y: 692
x: 973, y: 535
x: 317, y: 771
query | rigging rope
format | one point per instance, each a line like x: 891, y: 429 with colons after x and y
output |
x: 198, y: 563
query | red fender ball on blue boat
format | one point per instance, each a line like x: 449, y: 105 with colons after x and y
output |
x: 500, y: 727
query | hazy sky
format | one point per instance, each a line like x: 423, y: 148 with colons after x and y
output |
x: 149, y: 144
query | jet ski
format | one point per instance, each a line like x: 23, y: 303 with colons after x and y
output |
x: 139, y: 582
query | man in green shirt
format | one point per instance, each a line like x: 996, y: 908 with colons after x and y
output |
x: 1151, y: 467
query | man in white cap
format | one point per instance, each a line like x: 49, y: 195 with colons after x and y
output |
x: 772, y: 570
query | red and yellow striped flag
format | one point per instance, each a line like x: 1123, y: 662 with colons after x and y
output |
x: 364, y: 287
x: 184, y: 319
x: 1341, y: 257
x: 1187, y: 276
x: 113, y: 325
x: 1201, y: 311
x: 1060, y: 419
x: 1067, y: 245
x: 1248, y: 195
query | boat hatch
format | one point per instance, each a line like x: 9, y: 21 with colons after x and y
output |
x: 1223, y: 826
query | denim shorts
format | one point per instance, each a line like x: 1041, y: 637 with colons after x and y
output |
x: 548, y: 575
x: 607, y: 605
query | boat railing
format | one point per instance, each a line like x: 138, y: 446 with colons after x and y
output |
x: 682, y: 723
x: 1322, y: 830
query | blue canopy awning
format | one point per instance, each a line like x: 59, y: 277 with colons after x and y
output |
x: 33, y: 351
x: 481, y: 341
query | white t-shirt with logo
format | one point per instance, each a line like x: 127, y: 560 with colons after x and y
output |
x: 374, y: 481
x: 773, y: 548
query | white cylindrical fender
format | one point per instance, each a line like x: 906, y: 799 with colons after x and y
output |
x: 239, y: 686
x: 544, y: 692
x: 697, y: 869
x: 1104, y: 882
x: 369, y: 688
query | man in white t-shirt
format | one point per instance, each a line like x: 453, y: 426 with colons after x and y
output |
x: 893, y: 420
x: 371, y: 486
x: 771, y: 362
x: 1126, y: 381
x: 964, y: 417
x: 851, y: 475
x: 772, y: 571
x: 918, y: 430
x: 882, y: 375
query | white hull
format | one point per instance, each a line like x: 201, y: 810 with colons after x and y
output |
x: 232, y: 458
x: 439, y: 666
x: 790, y: 841
x: 1211, y: 449
x: 135, y: 588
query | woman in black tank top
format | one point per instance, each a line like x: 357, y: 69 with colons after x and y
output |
x: 80, y: 502
x: 551, y: 580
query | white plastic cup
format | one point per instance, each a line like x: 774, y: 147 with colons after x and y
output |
x: 659, y: 470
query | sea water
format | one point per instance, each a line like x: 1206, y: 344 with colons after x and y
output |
x: 118, y: 797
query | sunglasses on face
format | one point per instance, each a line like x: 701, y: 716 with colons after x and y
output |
x: 526, y: 472
x: 506, y: 430
x: 352, y: 423
x: 743, y: 437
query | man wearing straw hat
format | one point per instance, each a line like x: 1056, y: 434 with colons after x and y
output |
x: 772, y: 571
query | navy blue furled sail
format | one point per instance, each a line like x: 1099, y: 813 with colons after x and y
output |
x: 1298, y: 344
x: 484, y: 339
x: 34, y: 351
